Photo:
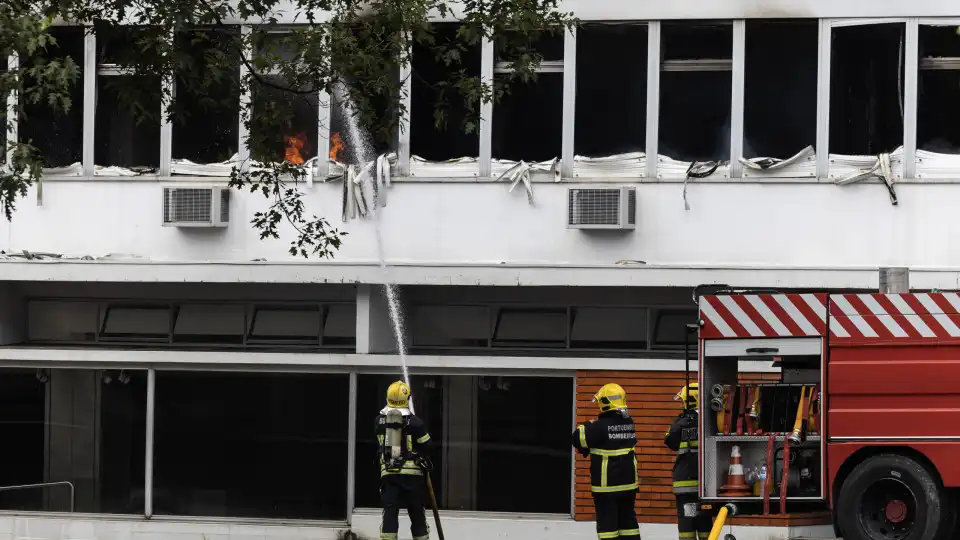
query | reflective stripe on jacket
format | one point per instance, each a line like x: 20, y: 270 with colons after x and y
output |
x: 611, y: 442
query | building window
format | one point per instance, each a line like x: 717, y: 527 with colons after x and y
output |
x: 251, y: 445
x: 611, y: 99
x: 605, y: 328
x: 209, y: 323
x: 430, y: 92
x: 530, y: 327
x: 780, y: 106
x: 62, y: 321
x: 695, y: 90
x: 285, y: 325
x: 148, y: 323
x: 528, y: 121
x: 866, y: 92
x: 492, y: 440
x: 207, y: 103
x: 939, y: 88
x: 86, y: 427
x: 451, y: 326
x: 128, y: 106
x: 58, y: 135
x: 670, y: 328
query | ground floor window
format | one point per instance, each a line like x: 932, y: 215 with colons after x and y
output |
x: 499, y: 439
x: 85, y: 427
x: 257, y: 445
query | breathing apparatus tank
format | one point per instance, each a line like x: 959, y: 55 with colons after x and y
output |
x: 393, y: 441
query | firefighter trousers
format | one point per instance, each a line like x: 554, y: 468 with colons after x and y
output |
x: 403, y: 491
x: 691, y: 523
x: 616, y: 515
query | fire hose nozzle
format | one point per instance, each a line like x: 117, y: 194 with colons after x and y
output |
x: 716, y: 404
x: 717, y: 390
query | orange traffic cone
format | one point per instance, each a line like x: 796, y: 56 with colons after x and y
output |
x: 736, y: 486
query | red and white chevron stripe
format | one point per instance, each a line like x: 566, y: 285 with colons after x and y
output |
x: 886, y: 317
x: 763, y: 315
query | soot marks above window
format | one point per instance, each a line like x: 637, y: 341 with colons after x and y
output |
x: 866, y: 89
x: 695, y: 91
x: 58, y: 135
x: 207, y: 96
x: 434, y: 100
x: 939, y: 90
x: 128, y: 107
x: 780, y: 105
x: 528, y: 121
x: 611, y: 104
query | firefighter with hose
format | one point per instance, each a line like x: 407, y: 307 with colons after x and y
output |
x: 682, y: 438
x: 404, y: 444
x: 611, y: 442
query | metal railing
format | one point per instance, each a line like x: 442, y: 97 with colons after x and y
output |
x: 44, y: 485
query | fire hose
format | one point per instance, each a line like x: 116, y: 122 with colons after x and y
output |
x: 728, y: 509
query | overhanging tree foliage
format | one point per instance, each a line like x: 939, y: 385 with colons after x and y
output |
x: 348, y: 48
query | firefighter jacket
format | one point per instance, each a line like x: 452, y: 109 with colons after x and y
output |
x: 416, y: 443
x: 610, y: 441
x: 682, y: 438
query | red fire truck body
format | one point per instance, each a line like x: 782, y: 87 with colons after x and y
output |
x: 887, y: 368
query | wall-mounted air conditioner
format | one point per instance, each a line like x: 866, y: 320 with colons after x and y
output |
x: 196, y: 206
x: 602, y: 208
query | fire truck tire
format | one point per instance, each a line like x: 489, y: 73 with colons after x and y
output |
x: 892, y: 497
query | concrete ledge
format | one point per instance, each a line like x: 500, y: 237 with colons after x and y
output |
x: 460, y: 273
x: 371, y: 363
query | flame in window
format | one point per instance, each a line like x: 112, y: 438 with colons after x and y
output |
x: 294, y: 144
x: 336, y: 145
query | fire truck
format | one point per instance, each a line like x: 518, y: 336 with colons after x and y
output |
x: 860, y: 415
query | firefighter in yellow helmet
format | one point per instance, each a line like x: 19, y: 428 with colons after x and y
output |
x: 404, y: 444
x: 611, y: 442
x: 682, y: 438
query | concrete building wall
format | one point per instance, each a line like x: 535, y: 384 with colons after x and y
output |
x: 765, y: 225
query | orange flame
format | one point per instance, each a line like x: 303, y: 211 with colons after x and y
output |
x: 336, y: 145
x: 294, y: 144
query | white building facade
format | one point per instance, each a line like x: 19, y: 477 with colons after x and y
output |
x: 174, y: 382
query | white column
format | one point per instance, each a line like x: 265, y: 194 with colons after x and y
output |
x: 823, y: 100
x: 486, y: 110
x: 89, y: 101
x: 653, y: 97
x: 738, y: 72
x: 911, y: 63
x: 569, y: 102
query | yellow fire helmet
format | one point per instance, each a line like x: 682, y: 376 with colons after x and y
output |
x: 398, y: 395
x: 611, y: 397
x: 694, y: 395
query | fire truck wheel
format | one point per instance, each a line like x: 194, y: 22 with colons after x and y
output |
x: 891, y: 497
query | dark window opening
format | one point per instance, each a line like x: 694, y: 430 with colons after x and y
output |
x: 285, y: 325
x: 251, y: 445
x: 670, y: 327
x: 695, y: 91
x: 780, y: 105
x: 528, y: 118
x: 451, y: 326
x: 939, y: 90
x: 135, y: 323
x: 478, y: 457
x: 56, y: 133
x: 370, y: 115
x: 128, y: 107
x: 340, y: 325
x: 284, y: 123
x: 85, y: 427
x: 866, y: 89
x: 608, y: 328
x: 207, y: 96
x: 611, y: 99
x: 530, y: 327
x: 214, y: 324
x: 433, y: 97
x: 62, y: 321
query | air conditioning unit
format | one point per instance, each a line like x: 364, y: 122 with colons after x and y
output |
x: 602, y: 208
x: 196, y: 206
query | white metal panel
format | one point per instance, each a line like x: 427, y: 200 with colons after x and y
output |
x: 742, y: 347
